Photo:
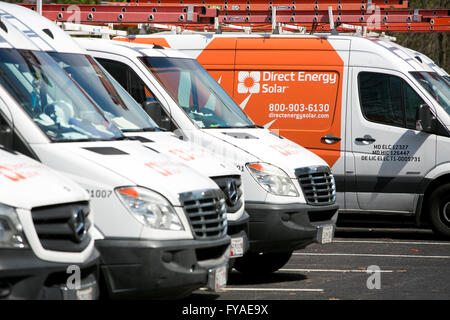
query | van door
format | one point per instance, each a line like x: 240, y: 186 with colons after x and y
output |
x: 390, y: 156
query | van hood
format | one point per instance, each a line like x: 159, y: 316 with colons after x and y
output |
x: 188, y: 153
x: 26, y: 184
x: 269, y: 147
x: 141, y: 166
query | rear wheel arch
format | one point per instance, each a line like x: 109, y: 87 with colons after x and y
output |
x: 430, y: 187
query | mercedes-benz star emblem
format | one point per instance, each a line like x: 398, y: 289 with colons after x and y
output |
x: 78, y: 225
x: 231, y: 192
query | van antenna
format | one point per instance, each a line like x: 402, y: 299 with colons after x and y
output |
x: 217, y: 25
x: 332, y: 25
x: 275, y: 29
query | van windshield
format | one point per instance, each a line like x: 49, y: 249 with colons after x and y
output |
x: 437, y: 87
x: 197, y: 93
x: 54, y: 102
x: 117, y: 105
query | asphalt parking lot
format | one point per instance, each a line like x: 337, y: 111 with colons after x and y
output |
x: 403, y: 262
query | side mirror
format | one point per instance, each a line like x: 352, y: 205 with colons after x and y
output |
x: 425, y: 119
x: 155, y: 110
x: 6, y: 134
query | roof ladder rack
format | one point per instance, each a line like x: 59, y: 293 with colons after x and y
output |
x: 257, y: 15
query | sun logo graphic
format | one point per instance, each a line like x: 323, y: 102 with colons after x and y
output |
x: 249, y: 82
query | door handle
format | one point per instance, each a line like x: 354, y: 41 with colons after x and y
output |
x: 330, y: 139
x: 366, y: 138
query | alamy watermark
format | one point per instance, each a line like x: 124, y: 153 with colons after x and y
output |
x: 74, y: 280
x: 374, y: 280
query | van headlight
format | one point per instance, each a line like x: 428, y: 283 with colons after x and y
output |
x: 272, y: 179
x: 150, y: 208
x: 11, y: 230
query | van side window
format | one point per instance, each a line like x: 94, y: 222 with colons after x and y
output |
x: 135, y: 86
x: 127, y: 79
x: 380, y: 96
x: 388, y: 99
x: 412, y: 103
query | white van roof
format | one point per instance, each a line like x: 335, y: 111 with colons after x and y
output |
x: 129, y: 49
x: 45, y: 34
x: 366, y: 51
x: 10, y: 37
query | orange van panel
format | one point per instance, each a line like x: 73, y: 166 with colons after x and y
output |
x: 266, y: 83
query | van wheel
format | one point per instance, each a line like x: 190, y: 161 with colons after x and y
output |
x: 440, y: 210
x: 258, y: 264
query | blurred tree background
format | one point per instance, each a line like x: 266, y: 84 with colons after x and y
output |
x: 435, y: 45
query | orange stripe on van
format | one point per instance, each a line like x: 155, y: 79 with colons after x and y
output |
x: 155, y: 41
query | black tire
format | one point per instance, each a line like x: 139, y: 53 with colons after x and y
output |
x: 439, y: 210
x: 259, y: 264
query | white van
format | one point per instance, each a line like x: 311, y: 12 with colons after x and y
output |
x: 161, y: 225
x: 45, y: 232
x: 124, y: 112
x: 377, y: 112
x: 289, y: 191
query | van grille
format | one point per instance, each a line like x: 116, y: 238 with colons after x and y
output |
x: 207, y: 214
x: 63, y: 227
x: 233, y: 194
x: 317, y: 184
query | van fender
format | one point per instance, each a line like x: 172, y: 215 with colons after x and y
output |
x: 435, y: 177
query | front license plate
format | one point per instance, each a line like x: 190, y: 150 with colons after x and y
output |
x: 87, y: 291
x: 217, y: 278
x: 326, y: 234
x: 85, y: 294
x: 237, y: 247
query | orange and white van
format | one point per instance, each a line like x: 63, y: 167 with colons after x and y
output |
x: 378, y: 113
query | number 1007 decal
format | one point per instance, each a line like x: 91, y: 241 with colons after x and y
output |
x: 98, y: 193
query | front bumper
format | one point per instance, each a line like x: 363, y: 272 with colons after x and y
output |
x: 286, y: 227
x: 24, y: 276
x: 240, y: 229
x: 167, y: 269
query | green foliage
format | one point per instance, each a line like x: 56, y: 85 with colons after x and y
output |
x: 435, y: 45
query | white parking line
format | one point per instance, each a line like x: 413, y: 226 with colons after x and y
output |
x: 339, y: 270
x: 392, y: 242
x: 272, y: 289
x: 370, y: 255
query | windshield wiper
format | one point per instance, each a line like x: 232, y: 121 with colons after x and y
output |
x: 155, y: 129
x: 93, y: 139
x: 219, y: 127
x: 235, y: 127
x: 149, y: 129
x: 253, y: 126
